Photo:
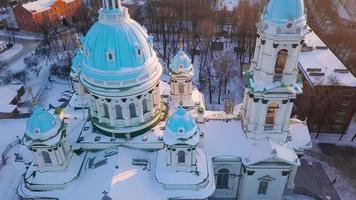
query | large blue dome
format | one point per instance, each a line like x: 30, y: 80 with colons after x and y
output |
x: 282, y: 11
x: 117, y: 48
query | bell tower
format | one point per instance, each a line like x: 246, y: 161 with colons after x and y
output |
x: 271, y: 81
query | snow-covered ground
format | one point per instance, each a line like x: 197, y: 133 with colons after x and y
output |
x: 343, y: 184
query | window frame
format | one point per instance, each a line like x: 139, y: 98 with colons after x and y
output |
x: 263, y: 187
x: 222, y: 178
x: 181, y: 157
x: 132, y: 109
x: 46, y: 157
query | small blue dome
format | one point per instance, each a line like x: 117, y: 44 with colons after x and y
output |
x: 181, y: 121
x: 40, y: 122
x: 282, y: 11
x: 116, y: 47
x: 181, y: 62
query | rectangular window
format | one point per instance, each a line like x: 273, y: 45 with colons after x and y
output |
x: 262, y: 188
x: 181, y: 157
x: 181, y: 89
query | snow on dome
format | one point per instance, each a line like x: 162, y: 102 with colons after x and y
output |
x: 181, y: 63
x: 181, y: 127
x: 117, y: 48
x: 41, y: 124
x: 283, y: 11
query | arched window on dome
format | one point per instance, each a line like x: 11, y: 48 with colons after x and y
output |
x: 144, y: 106
x: 132, y: 109
x: 222, y: 180
x: 181, y: 157
x: 271, y: 115
x: 118, y: 110
x: 110, y: 56
x: 46, y: 157
x: 106, y: 110
x: 280, y: 64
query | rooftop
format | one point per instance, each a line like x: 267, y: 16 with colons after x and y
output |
x: 41, y: 5
x: 320, y: 66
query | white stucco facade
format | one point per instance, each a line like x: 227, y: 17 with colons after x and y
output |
x: 175, y: 149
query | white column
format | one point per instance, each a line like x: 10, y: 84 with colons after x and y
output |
x: 262, y: 112
x: 60, y: 155
x: 112, y: 114
x: 139, y: 109
x: 253, y: 115
x: 150, y: 104
x: 92, y: 107
x: 99, y: 108
x: 248, y: 109
x: 280, y: 117
x: 288, y: 112
x: 125, y: 113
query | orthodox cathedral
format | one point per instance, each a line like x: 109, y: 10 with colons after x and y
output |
x: 126, y: 134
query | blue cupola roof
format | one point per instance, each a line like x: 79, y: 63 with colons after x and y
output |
x: 282, y: 11
x: 41, y: 123
x: 181, y: 62
x: 181, y: 122
x: 116, y: 48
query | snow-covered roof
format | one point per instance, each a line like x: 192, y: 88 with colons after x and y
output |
x: 7, y: 95
x: 320, y: 66
x: 41, y: 5
x: 266, y: 149
x: 7, y: 108
x: 226, y: 138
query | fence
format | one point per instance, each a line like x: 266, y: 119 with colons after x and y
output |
x: 6, y: 151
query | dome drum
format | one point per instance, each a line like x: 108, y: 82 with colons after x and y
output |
x: 126, y: 114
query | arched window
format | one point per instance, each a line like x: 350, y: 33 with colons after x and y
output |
x: 132, y: 109
x: 118, y: 110
x: 181, y: 88
x: 46, y: 157
x: 144, y: 106
x: 271, y: 113
x: 222, y: 180
x: 106, y: 110
x: 181, y: 157
x: 263, y: 187
x: 280, y: 61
